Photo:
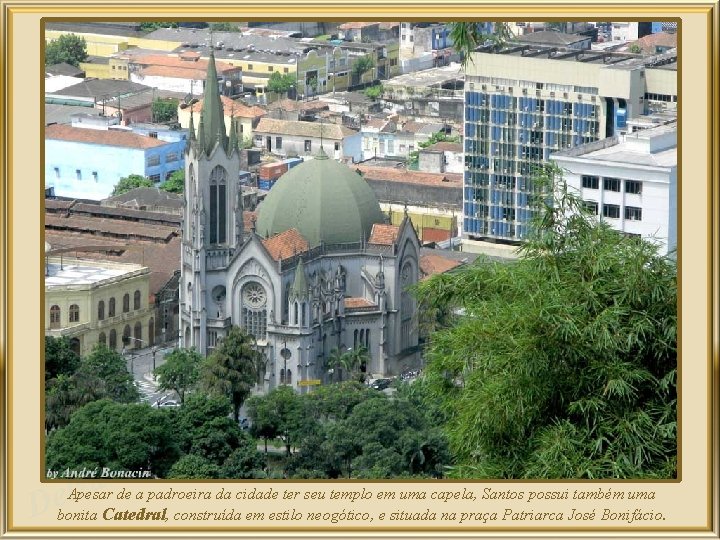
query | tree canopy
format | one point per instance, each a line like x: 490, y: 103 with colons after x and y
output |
x: 129, y: 182
x: 67, y: 48
x: 164, y: 110
x: 175, y: 183
x: 233, y: 368
x: 280, y: 83
x: 179, y: 372
x: 562, y: 364
x: 362, y: 65
x: 118, y: 436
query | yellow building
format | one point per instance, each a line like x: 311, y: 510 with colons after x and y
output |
x: 92, y: 302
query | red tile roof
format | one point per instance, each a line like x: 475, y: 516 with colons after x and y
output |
x: 430, y: 234
x: 383, y: 234
x: 233, y: 107
x: 174, y: 61
x: 191, y: 71
x: 105, y: 137
x: 357, y: 302
x: 435, y: 264
x: 285, y: 244
x: 649, y: 43
x: 449, y: 180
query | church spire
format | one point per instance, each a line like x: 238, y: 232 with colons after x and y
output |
x: 233, y: 139
x: 212, y: 118
x: 299, y: 288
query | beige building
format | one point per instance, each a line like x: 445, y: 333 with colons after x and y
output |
x: 92, y: 302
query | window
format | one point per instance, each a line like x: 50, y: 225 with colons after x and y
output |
x: 590, y: 182
x: 113, y: 340
x: 154, y: 178
x: 633, y: 186
x: 286, y: 70
x: 278, y: 143
x: 111, y: 307
x: 55, y: 317
x: 611, y: 211
x: 136, y: 300
x: 337, y: 146
x: 138, y: 335
x: 57, y: 172
x: 153, y: 160
x: 153, y: 135
x: 250, y: 66
x: 218, y: 206
x: 308, y: 145
x: 126, y: 303
x: 591, y: 207
x: 271, y: 68
x: 254, y: 309
x: 102, y: 340
x: 95, y: 175
x: 74, y: 313
x: 171, y: 156
x: 78, y: 174
x: 611, y: 184
x: 633, y: 213
x: 101, y: 310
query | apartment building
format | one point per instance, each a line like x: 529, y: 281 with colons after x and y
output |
x: 524, y: 103
x: 629, y: 181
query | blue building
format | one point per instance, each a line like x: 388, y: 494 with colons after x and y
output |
x: 88, y: 163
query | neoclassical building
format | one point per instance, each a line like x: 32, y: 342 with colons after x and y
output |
x: 319, y: 269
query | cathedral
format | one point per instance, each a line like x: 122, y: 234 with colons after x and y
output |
x: 319, y: 269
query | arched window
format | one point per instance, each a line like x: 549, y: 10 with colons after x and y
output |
x: 113, y: 340
x: 55, y: 317
x: 111, y: 307
x: 102, y: 340
x: 367, y: 339
x: 282, y: 376
x: 254, y: 309
x: 302, y: 313
x: 136, y: 300
x: 138, y: 335
x: 355, y: 338
x: 288, y: 376
x: 74, y: 313
x: 101, y: 310
x: 295, y: 319
x: 218, y: 206
x: 126, y: 303
x: 126, y: 336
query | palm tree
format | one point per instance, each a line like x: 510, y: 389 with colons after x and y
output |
x: 232, y: 368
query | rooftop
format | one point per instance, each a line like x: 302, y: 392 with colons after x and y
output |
x: 234, y: 108
x: 285, y: 244
x: 548, y: 37
x: 654, y: 147
x: 64, y: 68
x: 391, y: 174
x: 384, y: 234
x: 433, y: 263
x: 99, y: 88
x: 444, y: 147
x: 83, y: 272
x: 102, y: 137
x: 303, y: 129
x: 428, y: 77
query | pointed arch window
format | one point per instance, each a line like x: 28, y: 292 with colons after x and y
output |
x: 218, y: 205
x: 101, y: 310
x: 137, y: 300
x: 254, y: 309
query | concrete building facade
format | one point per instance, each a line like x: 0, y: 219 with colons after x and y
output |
x: 523, y: 104
x: 630, y: 182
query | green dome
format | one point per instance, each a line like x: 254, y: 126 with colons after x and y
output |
x: 324, y: 200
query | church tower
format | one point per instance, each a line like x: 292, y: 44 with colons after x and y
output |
x: 212, y: 220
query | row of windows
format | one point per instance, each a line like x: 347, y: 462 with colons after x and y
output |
x: 632, y: 213
x: 111, y: 339
x: 78, y: 173
x: 612, y: 184
x: 56, y: 315
x: 137, y: 304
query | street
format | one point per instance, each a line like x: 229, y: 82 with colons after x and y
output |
x: 140, y: 364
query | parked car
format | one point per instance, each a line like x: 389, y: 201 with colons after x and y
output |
x: 381, y: 384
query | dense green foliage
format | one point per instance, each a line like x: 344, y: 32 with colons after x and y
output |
x: 77, y: 382
x: 175, y: 183
x: 150, y: 26
x: 350, y: 430
x: 280, y: 83
x: 179, y: 372
x: 563, y: 364
x: 129, y: 182
x: 375, y: 91
x: 466, y: 37
x: 118, y: 436
x: 362, y: 65
x: 67, y: 48
x: 233, y: 368
x: 164, y: 110
x: 224, y: 26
